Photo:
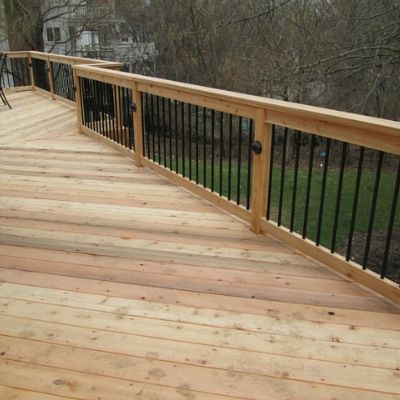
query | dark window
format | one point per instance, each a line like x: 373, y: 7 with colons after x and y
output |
x: 50, y: 36
x: 57, y: 35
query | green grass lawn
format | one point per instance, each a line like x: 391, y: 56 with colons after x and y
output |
x: 383, y: 208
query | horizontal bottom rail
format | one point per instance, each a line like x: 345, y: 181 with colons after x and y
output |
x: 353, y: 271
x: 178, y: 179
x: 18, y: 89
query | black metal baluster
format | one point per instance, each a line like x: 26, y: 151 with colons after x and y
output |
x: 391, y: 223
x: 204, y: 148
x: 197, y: 143
x: 153, y: 126
x: 295, y: 177
x: 164, y: 131
x: 129, y: 111
x: 82, y: 85
x: 18, y: 68
x: 323, y: 192
x: 9, y: 72
x: 108, y: 112
x: 373, y: 209
x: 125, y: 119
x: 112, y: 115
x: 96, y: 110
x: 90, y: 104
x: 338, y: 197
x: 190, y: 139
x: 282, y: 181
x: 183, y: 138
x: 249, y: 164
x: 158, y: 129
x: 308, y: 191
x: 271, y: 169
x: 176, y: 138
x: 239, y: 164
x: 221, y: 152
x: 105, y: 110
x: 230, y: 157
x: 212, y: 149
x: 170, y: 133
x: 148, y: 127
x: 144, y: 136
x: 118, y: 115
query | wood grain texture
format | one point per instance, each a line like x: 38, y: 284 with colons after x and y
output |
x: 116, y: 283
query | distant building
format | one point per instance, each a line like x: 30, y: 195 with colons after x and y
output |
x: 3, y: 30
x: 90, y: 29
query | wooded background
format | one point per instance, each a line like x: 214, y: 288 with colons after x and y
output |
x: 342, y: 54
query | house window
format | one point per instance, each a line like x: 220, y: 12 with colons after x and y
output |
x: 57, y: 35
x: 50, y: 36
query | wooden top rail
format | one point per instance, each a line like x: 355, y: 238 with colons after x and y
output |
x: 65, y: 59
x: 376, y: 133
x: 17, y: 54
x: 62, y: 58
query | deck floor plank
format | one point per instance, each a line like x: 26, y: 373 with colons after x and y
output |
x: 116, y: 284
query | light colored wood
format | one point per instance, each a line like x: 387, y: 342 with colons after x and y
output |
x: 260, y: 172
x: 137, y: 123
x: 368, y: 131
x: 231, y: 107
x: 154, y: 371
x: 17, y: 54
x: 65, y: 101
x: 178, y: 179
x: 385, y: 133
x: 101, y: 297
x: 205, y: 193
x: 81, y: 385
x: 112, y: 77
x: 363, y: 135
x: 187, y: 352
x: 108, y: 142
x: 370, y: 279
x: 72, y: 60
x: 18, y: 89
x: 7, y: 392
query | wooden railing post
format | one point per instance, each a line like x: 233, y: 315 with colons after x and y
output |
x: 261, y: 164
x: 137, y: 123
x: 51, y: 78
x: 31, y: 74
x: 78, y: 98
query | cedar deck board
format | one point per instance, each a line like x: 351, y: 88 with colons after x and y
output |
x: 115, y: 283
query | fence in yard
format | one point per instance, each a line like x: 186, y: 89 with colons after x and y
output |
x: 323, y: 181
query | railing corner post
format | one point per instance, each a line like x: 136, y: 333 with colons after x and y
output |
x: 138, y: 127
x: 260, y: 176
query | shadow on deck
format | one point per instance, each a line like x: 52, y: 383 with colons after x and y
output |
x: 117, y: 284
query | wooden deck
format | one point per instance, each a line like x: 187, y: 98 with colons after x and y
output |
x: 116, y: 284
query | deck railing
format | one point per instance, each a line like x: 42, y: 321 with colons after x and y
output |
x: 45, y: 72
x: 323, y: 181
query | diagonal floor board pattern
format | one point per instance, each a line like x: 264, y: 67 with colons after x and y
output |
x: 116, y: 284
